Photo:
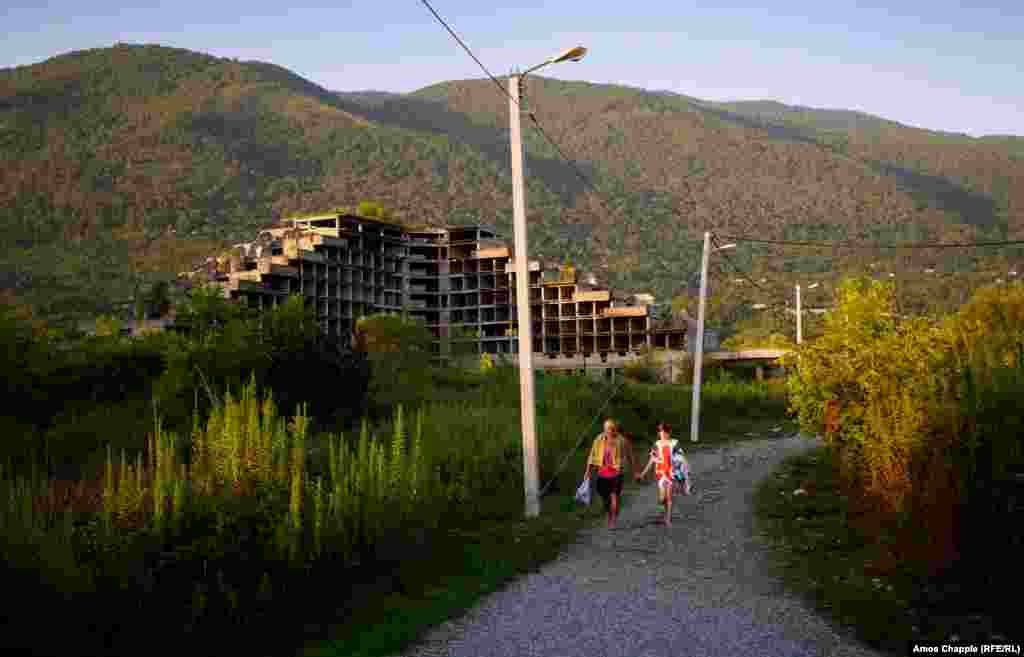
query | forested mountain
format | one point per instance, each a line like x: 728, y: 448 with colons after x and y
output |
x: 122, y: 165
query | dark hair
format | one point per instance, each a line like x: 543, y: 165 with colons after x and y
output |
x: 665, y: 426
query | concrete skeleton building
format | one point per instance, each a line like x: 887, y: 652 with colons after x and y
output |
x: 459, y: 280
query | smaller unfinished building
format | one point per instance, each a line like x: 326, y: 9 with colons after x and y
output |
x: 458, y: 280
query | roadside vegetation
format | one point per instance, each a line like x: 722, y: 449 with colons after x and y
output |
x: 215, y: 486
x: 901, y: 525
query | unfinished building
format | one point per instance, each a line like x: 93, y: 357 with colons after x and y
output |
x: 458, y: 280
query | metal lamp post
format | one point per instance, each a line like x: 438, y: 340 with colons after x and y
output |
x: 527, y: 403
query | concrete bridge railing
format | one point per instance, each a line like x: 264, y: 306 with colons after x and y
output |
x: 665, y: 359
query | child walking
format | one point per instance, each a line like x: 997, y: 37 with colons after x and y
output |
x: 661, y: 459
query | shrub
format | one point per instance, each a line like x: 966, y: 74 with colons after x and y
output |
x: 919, y: 426
x: 398, y: 351
x: 645, y: 368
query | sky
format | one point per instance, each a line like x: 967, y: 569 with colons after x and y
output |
x: 927, y: 63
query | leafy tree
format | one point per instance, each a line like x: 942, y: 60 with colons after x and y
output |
x: 992, y: 325
x: 290, y: 325
x: 207, y: 310
x: 398, y: 350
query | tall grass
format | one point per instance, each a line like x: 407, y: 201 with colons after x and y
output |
x: 251, y: 512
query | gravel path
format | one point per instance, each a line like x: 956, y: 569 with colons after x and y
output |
x: 701, y: 587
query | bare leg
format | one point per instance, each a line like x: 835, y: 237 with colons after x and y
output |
x: 668, y: 507
x: 613, y: 511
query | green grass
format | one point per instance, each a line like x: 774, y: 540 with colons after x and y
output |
x: 823, y: 556
x: 842, y: 562
x: 458, y: 569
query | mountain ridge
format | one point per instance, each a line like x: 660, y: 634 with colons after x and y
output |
x: 144, y: 156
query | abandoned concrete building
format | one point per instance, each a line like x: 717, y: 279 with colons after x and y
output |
x: 459, y: 280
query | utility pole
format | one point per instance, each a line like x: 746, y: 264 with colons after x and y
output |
x: 527, y: 403
x: 698, y: 344
x: 799, y: 318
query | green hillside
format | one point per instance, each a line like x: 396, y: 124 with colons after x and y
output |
x: 121, y: 166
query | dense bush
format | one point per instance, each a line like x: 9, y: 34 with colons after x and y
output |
x: 644, y: 369
x: 398, y: 351
x: 925, y: 421
x: 72, y: 395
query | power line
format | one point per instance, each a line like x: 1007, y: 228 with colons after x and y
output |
x: 589, y: 185
x: 465, y: 47
x: 868, y: 246
x: 533, y: 117
x: 583, y: 437
x: 741, y: 271
x: 738, y: 269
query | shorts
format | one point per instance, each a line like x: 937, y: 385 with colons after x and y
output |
x: 664, y: 487
x: 608, y: 486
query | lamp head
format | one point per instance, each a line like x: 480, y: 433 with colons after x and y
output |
x: 569, y: 55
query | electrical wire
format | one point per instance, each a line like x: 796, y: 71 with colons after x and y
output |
x: 533, y: 117
x: 739, y: 270
x: 583, y: 437
x: 875, y: 246
x: 736, y: 267
x: 466, y: 48
x: 604, y: 205
x: 578, y: 173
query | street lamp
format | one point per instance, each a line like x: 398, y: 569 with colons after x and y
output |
x: 799, y: 314
x: 529, y: 427
x: 698, y: 345
x: 567, y: 55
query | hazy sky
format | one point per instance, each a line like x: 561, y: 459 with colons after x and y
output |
x: 933, y: 64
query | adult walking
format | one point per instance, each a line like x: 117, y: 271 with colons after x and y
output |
x: 608, y: 454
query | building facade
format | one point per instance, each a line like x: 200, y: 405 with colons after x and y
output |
x: 458, y: 280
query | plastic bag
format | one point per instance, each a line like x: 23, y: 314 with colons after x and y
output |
x: 583, y: 493
x: 681, y: 471
x: 680, y: 466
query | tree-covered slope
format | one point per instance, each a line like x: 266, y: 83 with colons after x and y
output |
x: 125, y: 164
x: 126, y: 150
